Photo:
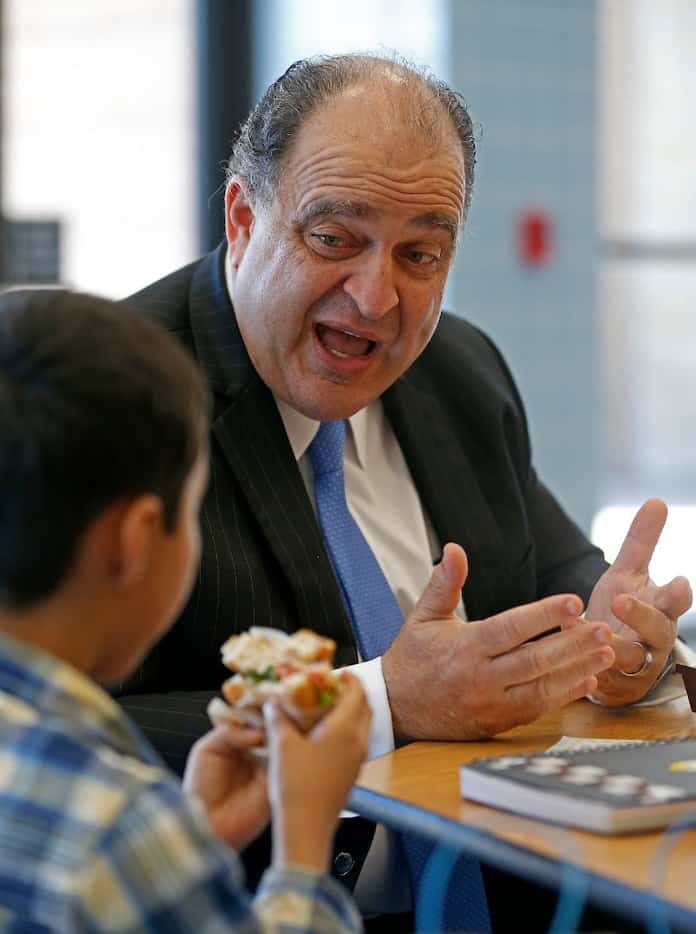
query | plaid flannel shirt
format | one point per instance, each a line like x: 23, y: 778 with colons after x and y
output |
x: 96, y: 834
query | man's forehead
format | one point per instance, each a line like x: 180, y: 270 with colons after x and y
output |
x: 385, y: 112
x: 360, y: 149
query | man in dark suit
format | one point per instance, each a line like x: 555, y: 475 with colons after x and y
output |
x: 347, y: 188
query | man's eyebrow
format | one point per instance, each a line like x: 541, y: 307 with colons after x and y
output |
x: 346, y: 208
x: 329, y: 206
x: 439, y: 221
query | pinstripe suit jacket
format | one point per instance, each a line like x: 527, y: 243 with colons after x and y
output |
x: 461, y: 426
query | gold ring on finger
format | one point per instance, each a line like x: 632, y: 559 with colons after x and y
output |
x: 647, y: 662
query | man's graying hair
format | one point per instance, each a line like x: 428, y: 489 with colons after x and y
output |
x: 269, y: 131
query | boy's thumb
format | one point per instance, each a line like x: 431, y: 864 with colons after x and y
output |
x: 444, y: 590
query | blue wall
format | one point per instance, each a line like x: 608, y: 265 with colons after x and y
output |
x: 528, y: 70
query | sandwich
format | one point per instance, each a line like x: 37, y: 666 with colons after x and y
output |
x: 270, y: 664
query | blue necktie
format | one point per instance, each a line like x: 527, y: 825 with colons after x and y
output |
x: 376, y: 619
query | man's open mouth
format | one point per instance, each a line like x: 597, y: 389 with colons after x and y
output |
x: 344, y: 343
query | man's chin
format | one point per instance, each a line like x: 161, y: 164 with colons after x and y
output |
x: 332, y: 406
x: 325, y: 398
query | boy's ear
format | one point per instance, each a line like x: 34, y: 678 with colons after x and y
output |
x: 141, y: 524
x: 239, y: 220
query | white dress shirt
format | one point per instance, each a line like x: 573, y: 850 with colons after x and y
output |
x: 383, y: 500
x: 395, y: 526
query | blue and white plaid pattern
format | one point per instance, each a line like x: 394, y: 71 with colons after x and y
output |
x: 96, y: 834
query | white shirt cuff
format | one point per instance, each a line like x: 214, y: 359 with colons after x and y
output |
x: 683, y: 655
x: 382, y: 731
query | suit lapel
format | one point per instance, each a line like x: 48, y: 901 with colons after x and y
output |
x: 449, y: 490
x: 251, y: 436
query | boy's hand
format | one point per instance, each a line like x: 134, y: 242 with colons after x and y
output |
x: 311, y: 774
x: 230, y: 782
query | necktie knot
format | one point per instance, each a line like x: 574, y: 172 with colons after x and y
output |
x: 326, y: 450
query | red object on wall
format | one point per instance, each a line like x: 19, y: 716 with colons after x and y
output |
x: 534, y: 238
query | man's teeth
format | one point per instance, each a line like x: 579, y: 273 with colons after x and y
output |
x: 344, y: 342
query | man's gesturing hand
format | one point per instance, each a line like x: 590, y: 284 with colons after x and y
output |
x: 447, y: 679
x: 637, y: 609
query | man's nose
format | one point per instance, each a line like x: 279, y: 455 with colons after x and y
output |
x: 372, y: 287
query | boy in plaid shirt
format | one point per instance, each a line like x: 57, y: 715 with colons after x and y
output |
x: 102, y: 469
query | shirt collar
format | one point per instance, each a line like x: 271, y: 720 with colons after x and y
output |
x: 359, y: 424
x: 301, y: 430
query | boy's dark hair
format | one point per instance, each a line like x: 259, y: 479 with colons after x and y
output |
x: 96, y: 403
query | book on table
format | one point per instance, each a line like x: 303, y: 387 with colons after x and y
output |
x: 612, y: 788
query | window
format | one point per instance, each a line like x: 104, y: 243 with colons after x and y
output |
x: 648, y: 272
x: 99, y: 134
x: 290, y: 29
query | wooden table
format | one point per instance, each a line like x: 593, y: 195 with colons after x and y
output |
x: 416, y: 788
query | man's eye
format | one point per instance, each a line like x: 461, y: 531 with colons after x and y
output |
x: 421, y: 258
x: 330, y: 240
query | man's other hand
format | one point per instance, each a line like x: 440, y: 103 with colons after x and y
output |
x: 637, y: 610
x: 452, y: 680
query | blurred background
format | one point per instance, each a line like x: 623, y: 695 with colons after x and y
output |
x: 579, y: 256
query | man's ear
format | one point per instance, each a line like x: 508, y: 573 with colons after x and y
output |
x: 239, y: 220
x: 140, y: 527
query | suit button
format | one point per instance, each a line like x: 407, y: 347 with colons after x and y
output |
x: 343, y: 863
